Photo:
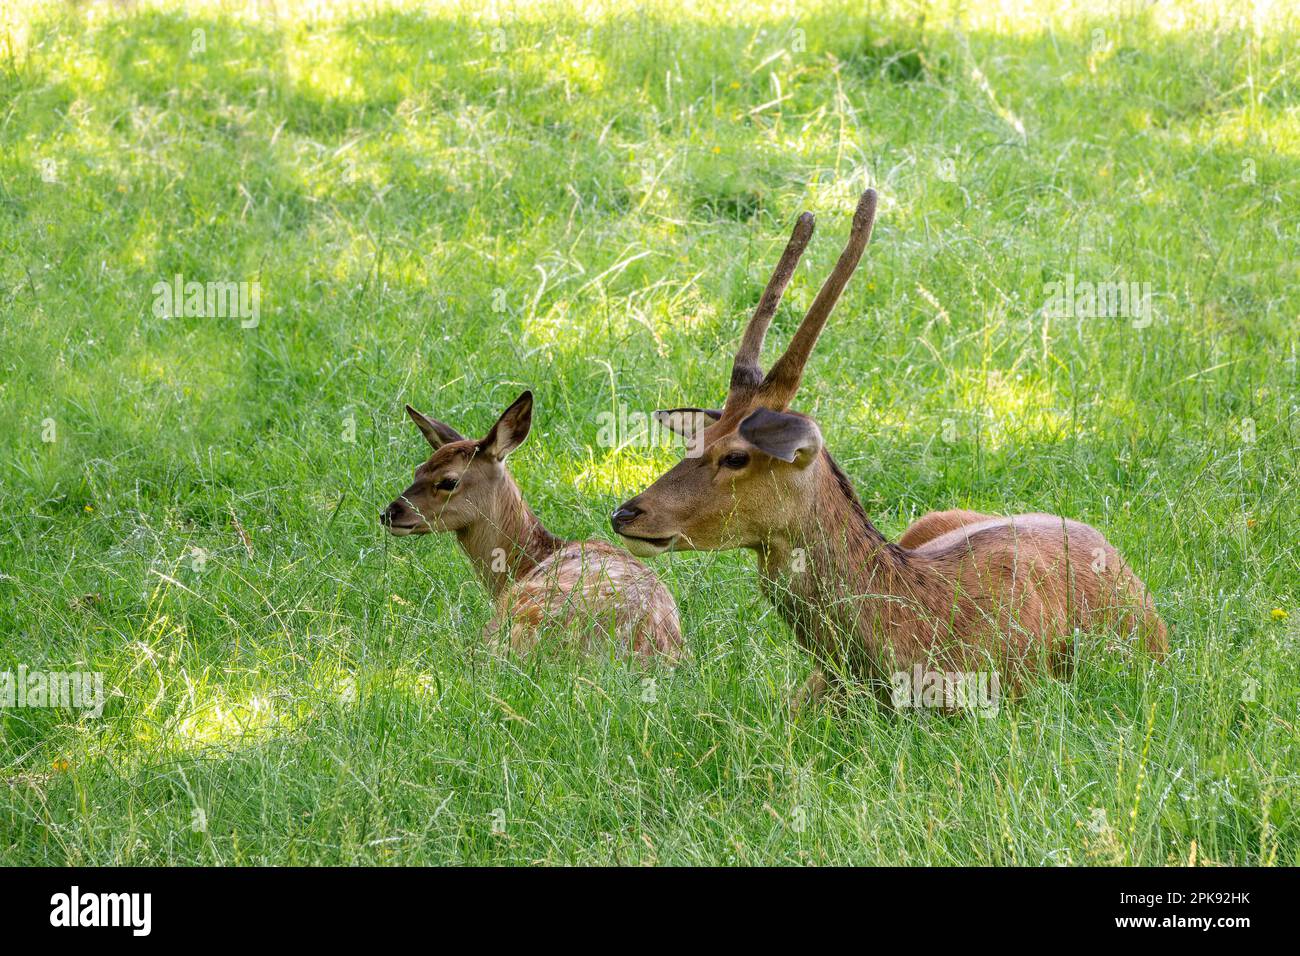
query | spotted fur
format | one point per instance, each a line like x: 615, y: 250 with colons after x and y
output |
x: 596, y: 593
x: 583, y: 594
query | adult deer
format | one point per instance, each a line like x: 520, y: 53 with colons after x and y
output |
x: 961, y: 591
x: 540, y: 583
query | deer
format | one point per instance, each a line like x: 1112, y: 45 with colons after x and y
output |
x: 959, y: 590
x: 540, y: 583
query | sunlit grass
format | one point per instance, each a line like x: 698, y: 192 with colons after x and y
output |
x: 446, y: 203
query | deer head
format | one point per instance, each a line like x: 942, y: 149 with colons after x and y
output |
x: 464, y: 481
x: 755, y: 464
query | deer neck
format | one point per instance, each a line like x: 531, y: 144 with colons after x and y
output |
x: 835, y: 578
x: 507, y: 541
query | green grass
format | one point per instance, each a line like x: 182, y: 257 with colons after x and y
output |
x: 590, y: 209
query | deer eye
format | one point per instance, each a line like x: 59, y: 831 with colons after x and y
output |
x: 448, y: 484
x: 734, y: 459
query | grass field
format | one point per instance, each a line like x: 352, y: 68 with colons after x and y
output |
x: 444, y: 206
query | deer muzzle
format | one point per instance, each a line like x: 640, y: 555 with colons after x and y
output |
x: 623, y: 517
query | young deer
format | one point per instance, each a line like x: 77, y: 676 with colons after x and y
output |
x: 538, y: 581
x: 959, y: 590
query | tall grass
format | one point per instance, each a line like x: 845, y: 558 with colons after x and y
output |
x: 442, y: 206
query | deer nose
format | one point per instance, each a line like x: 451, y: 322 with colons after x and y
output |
x: 623, y: 515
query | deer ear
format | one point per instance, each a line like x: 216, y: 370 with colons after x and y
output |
x: 687, y: 422
x: 511, y: 428
x: 435, y: 432
x: 791, y: 438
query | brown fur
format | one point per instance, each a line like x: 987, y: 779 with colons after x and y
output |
x: 594, y: 590
x: 934, y: 524
x: 961, y: 591
x: 1006, y: 593
x: 587, y: 591
x: 973, y: 590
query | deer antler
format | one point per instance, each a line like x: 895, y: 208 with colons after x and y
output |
x: 745, y: 371
x: 783, y: 379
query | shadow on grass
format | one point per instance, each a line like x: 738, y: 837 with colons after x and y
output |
x: 439, y: 221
